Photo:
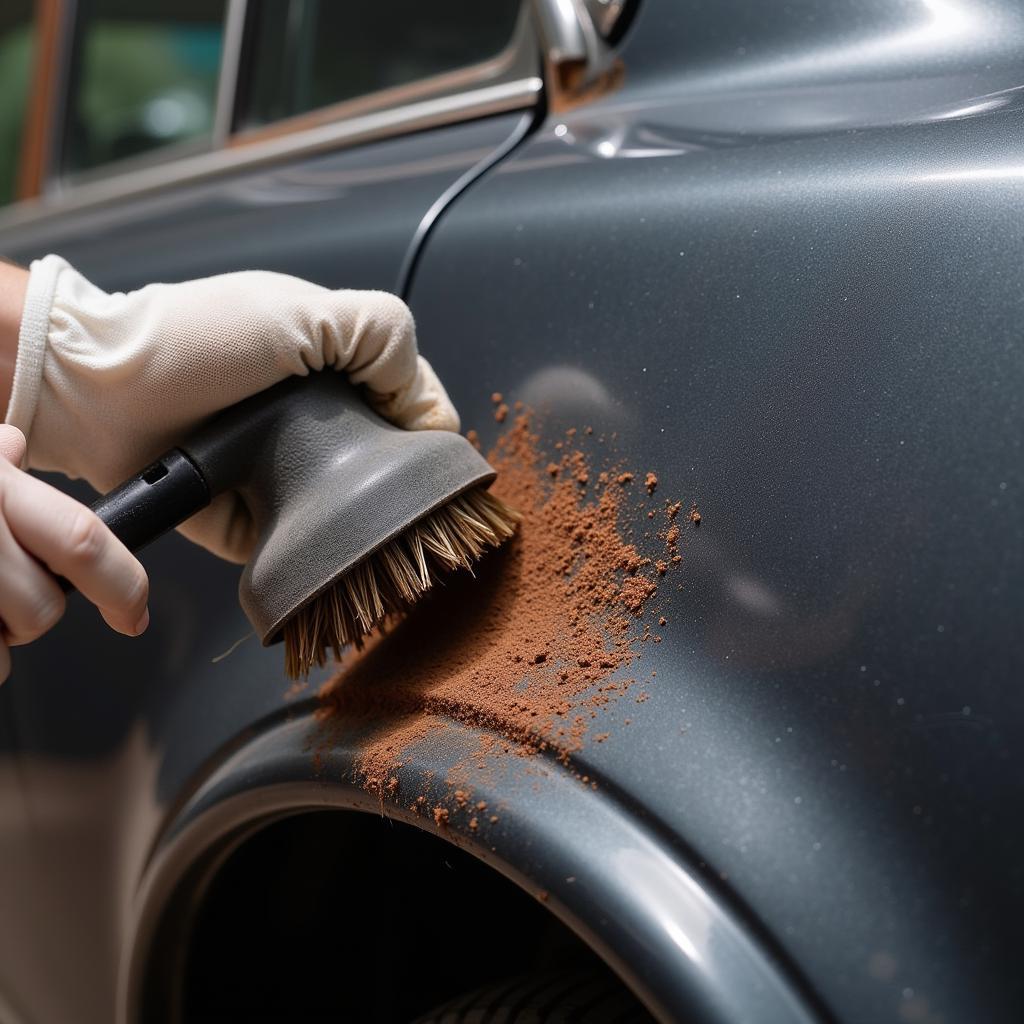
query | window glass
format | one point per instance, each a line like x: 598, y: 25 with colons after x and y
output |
x: 304, y: 54
x: 144, y: 76
x: 15, y: 69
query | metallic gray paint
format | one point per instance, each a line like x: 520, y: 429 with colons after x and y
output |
x: 782, y: 262
x: 815, y: 333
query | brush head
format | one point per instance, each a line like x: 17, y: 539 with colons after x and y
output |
x: 393, y: 577
x: 331, y: 484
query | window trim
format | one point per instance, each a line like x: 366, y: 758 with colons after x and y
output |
x: 52, y: 22
x: 510, y: 81
x: 230, y: 66
x: 500, y: 67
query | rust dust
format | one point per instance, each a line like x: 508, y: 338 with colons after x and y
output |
x: 533, y: 651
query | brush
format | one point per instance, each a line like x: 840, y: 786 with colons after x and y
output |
x: 389, y: 580
x: 355, y: 518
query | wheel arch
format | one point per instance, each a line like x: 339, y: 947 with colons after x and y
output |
x: 618, y: 882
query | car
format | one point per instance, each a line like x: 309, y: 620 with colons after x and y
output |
x: 769, y: 254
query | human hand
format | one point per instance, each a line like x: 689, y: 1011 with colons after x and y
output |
x: 44, y: 532
x: 106, y: 383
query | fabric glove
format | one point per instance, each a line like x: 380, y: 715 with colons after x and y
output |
x: 104, y: 383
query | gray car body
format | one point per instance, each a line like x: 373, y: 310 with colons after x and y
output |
x: 782, y: 262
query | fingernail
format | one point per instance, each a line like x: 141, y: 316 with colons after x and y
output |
x: 143, y: 623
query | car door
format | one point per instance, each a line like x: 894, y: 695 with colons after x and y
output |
x: 186, y: 140
x: 782, y: 264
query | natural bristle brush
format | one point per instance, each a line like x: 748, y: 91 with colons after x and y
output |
x: 354, y: 516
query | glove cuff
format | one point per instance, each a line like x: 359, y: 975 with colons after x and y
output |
x: 32, y: 341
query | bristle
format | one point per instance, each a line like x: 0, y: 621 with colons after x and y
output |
x: 415, y: 542
x: 393, y: 577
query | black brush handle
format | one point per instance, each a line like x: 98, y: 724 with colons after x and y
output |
x: 217, y: 457
x: 153, y: 501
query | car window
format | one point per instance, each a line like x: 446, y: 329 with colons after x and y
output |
x: 15, y: 69
x: 305, y: 54
x: 143, y: 76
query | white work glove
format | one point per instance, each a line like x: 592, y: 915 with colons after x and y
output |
x: 104, y: 383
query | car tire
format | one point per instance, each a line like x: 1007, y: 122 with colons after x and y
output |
x: 551, y: 997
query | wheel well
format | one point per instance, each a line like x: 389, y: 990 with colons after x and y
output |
x: 343, y: 915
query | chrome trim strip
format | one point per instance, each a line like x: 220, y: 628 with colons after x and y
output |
x: 227, y: 79
x: 561, y: 29
x: 605, y: 13
x: 495, y: 99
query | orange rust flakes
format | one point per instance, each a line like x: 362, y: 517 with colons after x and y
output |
x: 635, y: 591
x: 525, y: 653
